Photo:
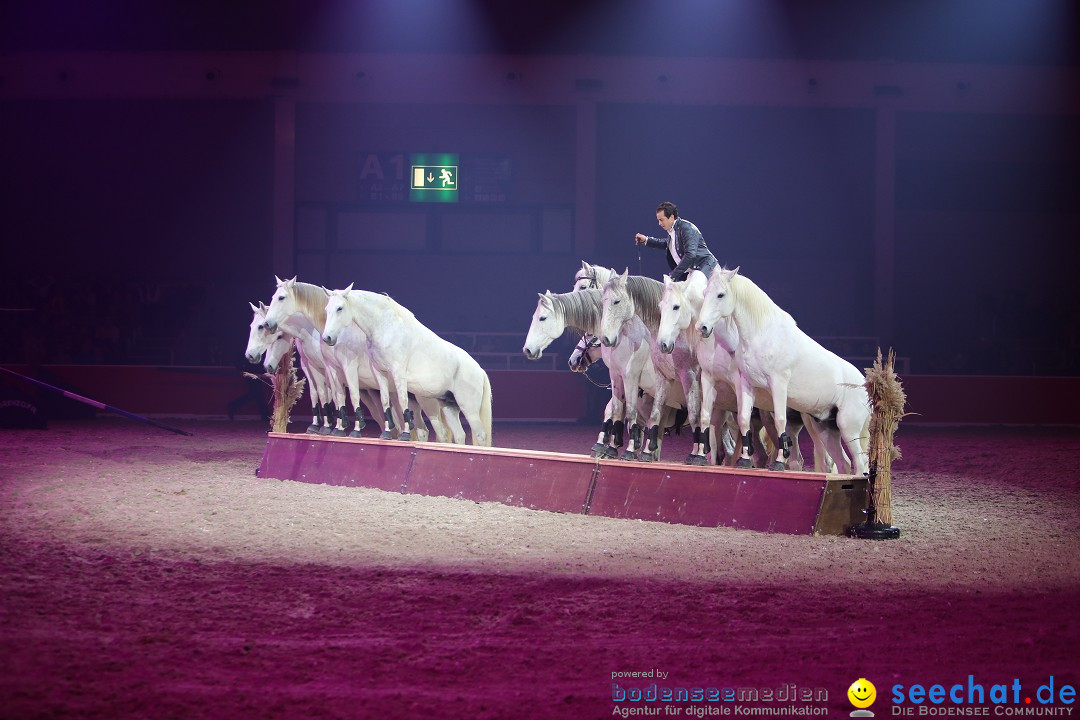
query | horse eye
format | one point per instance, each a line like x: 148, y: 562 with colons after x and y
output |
x: 720, y: 295
x: 616, y: 302
x: 280, y: 297
x: 543, y: 318
x: 261, y: 327
x: 337, y: 310
x: 280, y: 335
x: 674, y: 307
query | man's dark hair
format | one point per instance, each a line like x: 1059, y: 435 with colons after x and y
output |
x: 669, y: 209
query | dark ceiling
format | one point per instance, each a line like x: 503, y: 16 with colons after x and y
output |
x: 1038, y: 32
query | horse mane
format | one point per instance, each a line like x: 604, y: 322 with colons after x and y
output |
x: 312, y: 302
x: 646, y: 294
x: 394, y: 306
x: 756, y: 303
x: 580, y: 310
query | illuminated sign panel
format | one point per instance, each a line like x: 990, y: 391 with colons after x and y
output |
x: 433, y: 178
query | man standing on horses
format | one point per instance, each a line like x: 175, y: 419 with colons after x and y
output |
x: 686, y: 250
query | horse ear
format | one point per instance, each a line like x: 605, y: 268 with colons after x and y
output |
x: 349, y: 289
x: 253, y: 308
x: 667, y: 280
x: 735, y: 271
x: 584, y: 265
x: 279, y: 281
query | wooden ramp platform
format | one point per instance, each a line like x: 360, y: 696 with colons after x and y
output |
x: 800, y: 503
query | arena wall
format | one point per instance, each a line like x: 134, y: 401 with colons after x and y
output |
x: 519, y: 395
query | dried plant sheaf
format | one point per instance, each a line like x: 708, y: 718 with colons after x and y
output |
x: 287, y: 390
x: 887, y: 399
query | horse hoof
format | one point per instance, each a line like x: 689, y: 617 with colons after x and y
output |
x: 336, y: 432
x: 611, y: 452
x: 777, y: 465
x: 313, y: 430
x: 405, y: 437
x: 598, y: 449
x: 629, y: 456
x: 324, y: 430
x: 699, y: 460
x: 385, y: 435
x: 744, y: 463
x: 355, y: 434
x: 647, y: 457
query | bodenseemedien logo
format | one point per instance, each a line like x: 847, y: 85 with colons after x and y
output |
x: 862, y: 694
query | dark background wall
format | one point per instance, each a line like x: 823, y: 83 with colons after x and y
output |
x: 137, y: 224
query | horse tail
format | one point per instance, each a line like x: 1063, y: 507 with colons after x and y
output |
x: 485, y: 409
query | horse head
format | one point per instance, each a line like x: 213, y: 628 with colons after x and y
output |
x: 338, y: 314
x: 719, y: 302
x: 675, y: 315
x: 547, y: 324
x: 283, y: 303
x: 259, y: 335
x: 617, y: 307
x: 591, y: 277
x: 277, y: 351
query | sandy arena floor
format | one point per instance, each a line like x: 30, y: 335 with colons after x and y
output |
x: 145, y: 574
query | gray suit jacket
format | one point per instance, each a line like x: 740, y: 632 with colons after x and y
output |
x: 693, y: 252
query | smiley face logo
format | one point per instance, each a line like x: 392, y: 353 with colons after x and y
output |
x: 862, y: 693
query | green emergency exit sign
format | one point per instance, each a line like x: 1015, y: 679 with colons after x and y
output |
x: 433, y: 177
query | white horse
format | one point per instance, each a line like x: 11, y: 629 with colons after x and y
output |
x: 304, y: 305
x: 260, y: 338
x: 627, y: 299
x: 620, y: 415
x: 679, y: 310
x: 580, y: 311
x: 407, y: 357
x: 774, y: 354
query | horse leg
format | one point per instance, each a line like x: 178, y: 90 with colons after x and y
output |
x: 778, y: 388
x: 642, y: 405
x: 631, y: 392
x: 451, y: 417
x: 795, y: 428
x: 823, y: 462
x: 316, y: 406
x: 384, y: 404
x: 700, y: 453
x: 853, y: 423
x: 763, y: 426
x: 605, y: 431
x: 745, y: 397
x: 408, y: 425
x: 365, y: 403
x: 650, y: 443
x: 618, y: 416
x: 470, y: 399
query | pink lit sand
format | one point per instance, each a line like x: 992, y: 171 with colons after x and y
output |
x: 148, y: 575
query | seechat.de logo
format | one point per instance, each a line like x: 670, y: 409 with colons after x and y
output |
x: 862, y: 694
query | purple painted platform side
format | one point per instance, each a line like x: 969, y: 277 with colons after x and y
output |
x: 337, y: 461
x: 539, y: 481
x: 778, y: 502
x: 747, y: 499
x: 659, y: 491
